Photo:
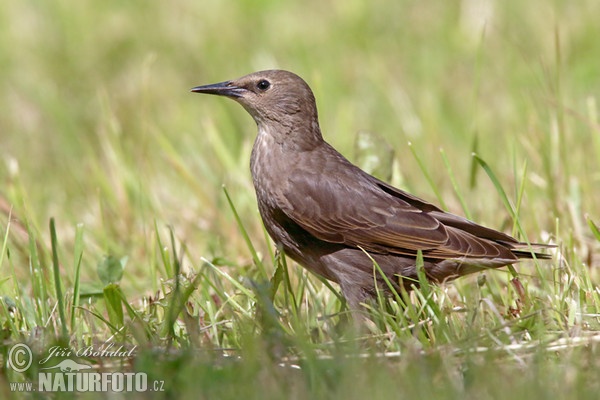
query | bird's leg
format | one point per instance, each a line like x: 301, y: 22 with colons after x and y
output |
x: 355, y: 297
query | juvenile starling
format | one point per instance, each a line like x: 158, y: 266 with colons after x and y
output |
x: 332, y: 217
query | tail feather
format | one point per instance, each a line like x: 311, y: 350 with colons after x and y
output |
x: 530, y: 254
x: 529, y: 250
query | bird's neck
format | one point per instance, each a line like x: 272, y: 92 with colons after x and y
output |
x: 291, y: 136
x: 277, y: 149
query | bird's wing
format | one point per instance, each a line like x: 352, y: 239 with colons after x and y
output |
x: 447, y: 218
x: 356, y: 212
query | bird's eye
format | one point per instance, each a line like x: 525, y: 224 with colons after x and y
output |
x: 263, y: 84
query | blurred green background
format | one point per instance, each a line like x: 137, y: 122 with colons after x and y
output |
x: 98, y: 126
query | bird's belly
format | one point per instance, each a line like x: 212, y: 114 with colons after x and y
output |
x: 296, y: 242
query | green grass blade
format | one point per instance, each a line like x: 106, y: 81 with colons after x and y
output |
x: 237, y: 285
x: 520, y: 193
x: 57, y: 282
x: 164, y: 253
x: 174, y: 303
x: 39, y: 281
x: 5, y: 310
x: 461, y: 199
x: 593, y: 227
x: 473, y: 170
x: 505, y: 200
x: 377, y: 271
x: 502, y: 193
x: 428, y: 177
x: 5, y: 241
x: 78, y: 256
x: 238, y: 220
x: 282, y: 275
x: 114, y: 305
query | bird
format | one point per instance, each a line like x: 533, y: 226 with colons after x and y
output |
x: 335, y: 219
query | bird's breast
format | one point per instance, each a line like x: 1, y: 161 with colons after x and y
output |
x: 269, y: 165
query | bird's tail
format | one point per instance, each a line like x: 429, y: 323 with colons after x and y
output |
x: 531, y: 250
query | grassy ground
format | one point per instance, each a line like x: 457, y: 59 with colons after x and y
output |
x: 98, y: 131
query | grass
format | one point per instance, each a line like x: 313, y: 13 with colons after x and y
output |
x: 115, y: 228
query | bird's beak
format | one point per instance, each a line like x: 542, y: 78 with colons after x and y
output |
x: 228, y: 89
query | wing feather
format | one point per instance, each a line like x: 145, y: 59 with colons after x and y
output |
x: 369, y: 218
x: 363, y: 214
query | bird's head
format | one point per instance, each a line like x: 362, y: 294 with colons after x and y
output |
x: 275, y: 99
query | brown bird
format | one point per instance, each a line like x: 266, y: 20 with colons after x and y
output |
x: 332, y: 217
